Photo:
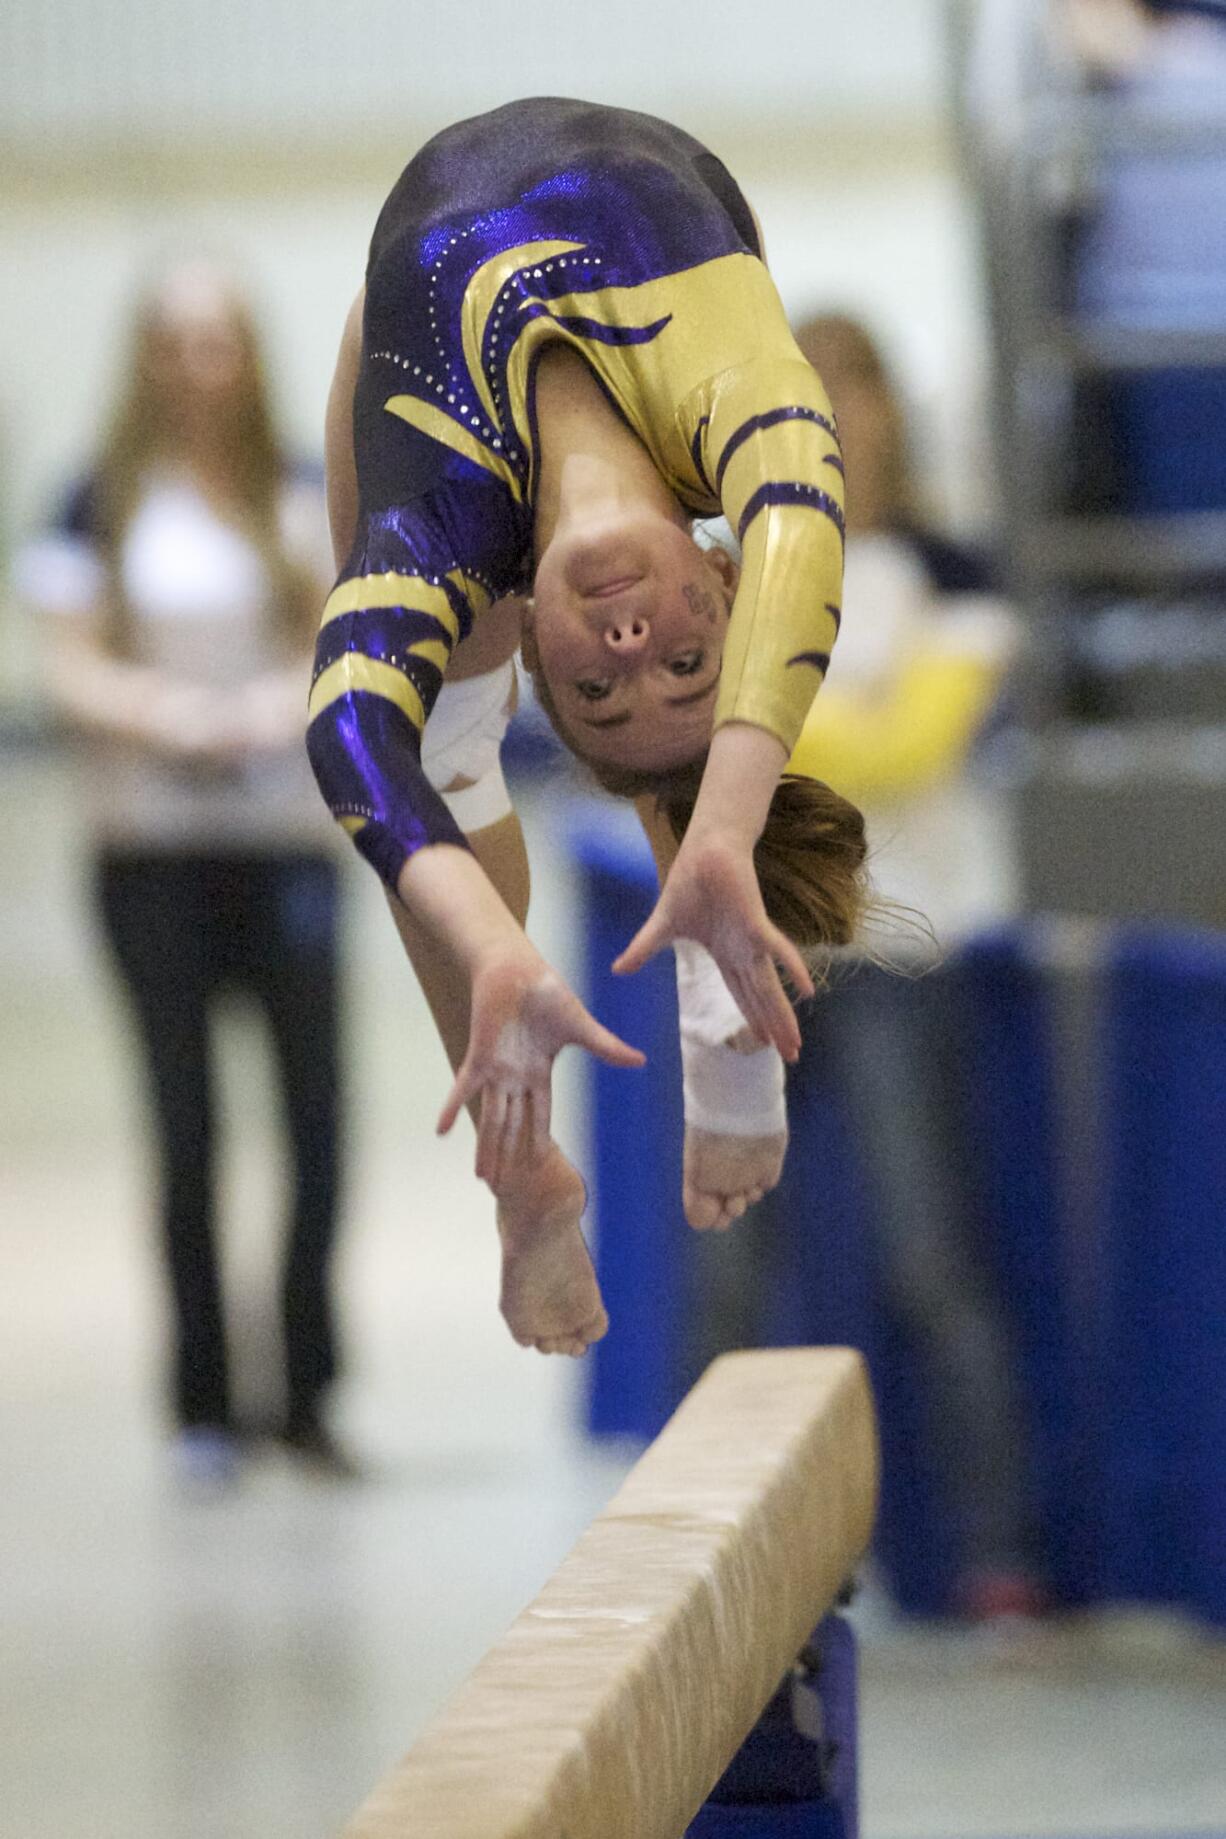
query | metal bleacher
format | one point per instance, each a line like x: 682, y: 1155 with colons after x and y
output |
x: 1122, y: 777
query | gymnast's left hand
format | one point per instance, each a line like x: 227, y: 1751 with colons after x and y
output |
x: 711, y: 895
x: 523, y: 1015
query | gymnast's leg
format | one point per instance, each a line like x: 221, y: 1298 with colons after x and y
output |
x: 549, y: 1298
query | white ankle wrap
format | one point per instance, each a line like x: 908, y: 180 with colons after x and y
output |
x: 729, y: 1093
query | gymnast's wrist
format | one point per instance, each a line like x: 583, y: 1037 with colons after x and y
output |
x: 738, y: 783
x: 449, y: 892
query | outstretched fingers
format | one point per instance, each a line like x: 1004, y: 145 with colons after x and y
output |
x: 466, y: 1084
x: 785, y: 954
x: 513, y: 1130
x: 490, y: 1130
x: 652, y: 936
x: 540, y: 1105
x: 606, y: 1046
x: 762, y: 1000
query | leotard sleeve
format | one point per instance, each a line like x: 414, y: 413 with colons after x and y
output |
x: 389, y: 628
x: 767, y: 442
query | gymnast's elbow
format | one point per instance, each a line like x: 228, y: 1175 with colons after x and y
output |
x: 336, y: 748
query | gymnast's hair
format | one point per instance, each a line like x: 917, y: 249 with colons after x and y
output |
x: 811, y: 856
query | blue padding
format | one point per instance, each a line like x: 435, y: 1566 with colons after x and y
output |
x: 1165, y: 1520
x: 803, y: 1820
x: 1170, y: 452
x: 1118, y: 1320
x: 641, y: 1236
x: 1013, y: 1137
x: 825, y: 1293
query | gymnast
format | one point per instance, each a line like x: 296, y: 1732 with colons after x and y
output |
x: 566, y: 350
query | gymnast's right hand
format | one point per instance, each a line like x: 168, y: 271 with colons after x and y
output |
x: 522, y: 1015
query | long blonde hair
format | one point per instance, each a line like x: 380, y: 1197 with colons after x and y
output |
x: 848, y: 359
x: 140, y: 436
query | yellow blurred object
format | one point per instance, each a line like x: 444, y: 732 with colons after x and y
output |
x: 884, y: 747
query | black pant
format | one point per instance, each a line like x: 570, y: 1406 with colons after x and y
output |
x: 185, y: 929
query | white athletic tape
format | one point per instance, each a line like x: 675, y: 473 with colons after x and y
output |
x: 463, y: 740
x: 476, y: 806
x: 729, y: 1093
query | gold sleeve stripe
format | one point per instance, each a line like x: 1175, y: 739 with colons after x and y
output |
x: 352, y: 824
x: 481, y: 300
x: 790, y: 413
x: 788, y: 450
x: 435, y: 651
x: 392, y: 590
x: 475, y: 592
x: 354, y: 672
x: 441, y: 427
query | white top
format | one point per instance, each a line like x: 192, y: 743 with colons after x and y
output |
x: 199, y: 600
x: 945, y: 849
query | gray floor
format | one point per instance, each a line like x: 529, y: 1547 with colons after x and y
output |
x: 244, y: 1668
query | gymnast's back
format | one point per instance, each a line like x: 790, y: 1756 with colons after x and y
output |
x: 540, y: 157
x: 543, y: 220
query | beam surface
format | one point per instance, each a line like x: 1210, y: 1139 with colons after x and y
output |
x: 614, y: 1703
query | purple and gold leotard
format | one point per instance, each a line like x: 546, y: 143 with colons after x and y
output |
x: 625, y: 239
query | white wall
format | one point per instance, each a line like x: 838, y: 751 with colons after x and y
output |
x: 80, y: 67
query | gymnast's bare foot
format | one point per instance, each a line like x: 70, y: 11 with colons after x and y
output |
x: 724, y: 1175
x: 550, y: 1297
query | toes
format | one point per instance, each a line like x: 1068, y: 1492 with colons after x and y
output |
x: 576, y: 1342
x: 733, y: 1207
x: 702, y: 1210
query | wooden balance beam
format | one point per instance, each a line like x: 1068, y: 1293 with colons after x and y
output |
x: 614, y: 1703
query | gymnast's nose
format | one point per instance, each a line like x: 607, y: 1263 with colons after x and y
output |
x: 626, y: 637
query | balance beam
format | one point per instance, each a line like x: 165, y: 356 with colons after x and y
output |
x: 614, y: 1703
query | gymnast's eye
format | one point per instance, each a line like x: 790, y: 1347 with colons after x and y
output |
x: 593, y: 689
x: 688, y: 664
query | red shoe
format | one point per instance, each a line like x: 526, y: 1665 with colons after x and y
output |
x: 990, y: 1597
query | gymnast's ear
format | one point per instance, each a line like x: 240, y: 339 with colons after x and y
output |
x: 722, y: 565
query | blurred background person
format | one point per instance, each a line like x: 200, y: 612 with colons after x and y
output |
x: 1151, y: 255
x: 1101, y: 119
x: 930, y: 641
x: 181, y: 586
x: 928, y: 646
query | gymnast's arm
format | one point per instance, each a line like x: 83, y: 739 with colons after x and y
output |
x: 384, y: 645
x: 769, y: 448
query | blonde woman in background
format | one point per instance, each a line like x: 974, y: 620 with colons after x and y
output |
x: 920, y: 667
x: 181, y: 586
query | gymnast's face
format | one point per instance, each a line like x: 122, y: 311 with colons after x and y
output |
x: 628, y: 624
